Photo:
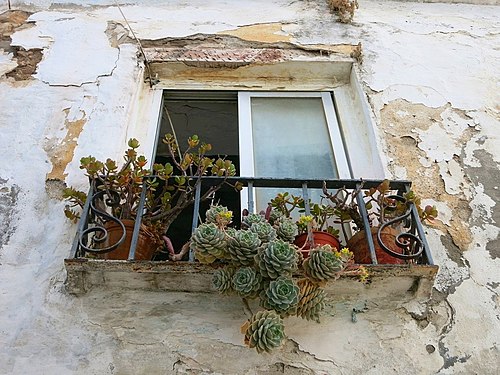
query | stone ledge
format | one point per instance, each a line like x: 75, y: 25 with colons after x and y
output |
x: 389, y: 283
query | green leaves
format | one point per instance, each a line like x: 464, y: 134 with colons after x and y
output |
x: 264, y: 331
x: 282, y: 295
x: 133, y: 143
x: 209, y: 243
x: 323, y: 264
x: 246, y: 282
x: 277, y: 258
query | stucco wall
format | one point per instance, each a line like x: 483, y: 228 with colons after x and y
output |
x: 431, y: 75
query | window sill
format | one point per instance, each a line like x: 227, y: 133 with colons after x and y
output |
x: 389, y: 283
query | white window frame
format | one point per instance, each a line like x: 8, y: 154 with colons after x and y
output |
x: 247, y: 166
x: 247, y: 161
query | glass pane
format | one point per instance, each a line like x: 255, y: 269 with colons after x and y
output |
x: 291, y: 140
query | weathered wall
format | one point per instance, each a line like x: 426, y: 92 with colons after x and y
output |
x: 70, y: 84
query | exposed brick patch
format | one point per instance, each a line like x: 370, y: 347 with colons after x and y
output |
x: 27, y: 61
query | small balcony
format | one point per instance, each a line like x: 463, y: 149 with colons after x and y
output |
x: 400, y: 264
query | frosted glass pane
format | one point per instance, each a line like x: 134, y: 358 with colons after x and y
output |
x: 291, y: 140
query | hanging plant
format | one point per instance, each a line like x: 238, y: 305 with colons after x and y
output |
x: 259, y: 263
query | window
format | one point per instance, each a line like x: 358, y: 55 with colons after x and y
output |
x: 265, y: 134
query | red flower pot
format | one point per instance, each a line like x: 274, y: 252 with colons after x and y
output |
x: 359, y: 246
x: 144, y: 250
x: 320, y: 238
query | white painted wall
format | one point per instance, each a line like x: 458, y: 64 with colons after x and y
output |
x: 436, y: 63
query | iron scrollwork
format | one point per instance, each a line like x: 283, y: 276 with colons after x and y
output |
x: 412, y: 247
x: 97, y: 234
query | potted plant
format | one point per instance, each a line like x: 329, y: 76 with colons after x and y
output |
x: 313, y: 229
x: 388, y: 220
x: 255, y: 263
x: 117, y: 192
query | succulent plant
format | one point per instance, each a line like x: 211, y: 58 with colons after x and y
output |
x: 264, y: 230
x: 311, y: 301
x: 287, y: 229
x: 243, y: 247
x: 277, y: 258
x: 209, y: 243
x: 222, y: 280
x: 264, y: 331
x: 282, y: 295
x: 252, y: 219
x: 246, y: 282
x: 275, y: 216
x: 323, y: 264
x: 219, y: 215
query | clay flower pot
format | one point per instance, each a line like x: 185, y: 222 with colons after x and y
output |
x: 359, y: 246
x: 145, y: 249
x: 320, y: 238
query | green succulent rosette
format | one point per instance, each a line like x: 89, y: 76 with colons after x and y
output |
x: 218, y: 215
x: 323, y: 264
x: 275, y: 216
x: 252, y: 219
x: 264, y: 230
x: 208, y: 243
x: 282, y: 295
x: 287, y: 229
x: 264, y: 332
x: 277, y: 258
x: 311, y: 301
x: 243, y: 246
x: 222, y: 280
x: 246, y: 282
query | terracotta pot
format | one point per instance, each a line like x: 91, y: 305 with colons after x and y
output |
x: 359, y: 246
x: 144, y: 250
x: 320, y: 238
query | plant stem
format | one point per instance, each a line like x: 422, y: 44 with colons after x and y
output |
x: 246, y: 308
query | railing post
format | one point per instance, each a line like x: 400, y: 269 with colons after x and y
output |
x: 196, y: 212
x: 250, y: 202
x: 82, y: 223
x: 137, y: 224
x: 307, y: 207
x: 366, y: 223
x: 420, y: 231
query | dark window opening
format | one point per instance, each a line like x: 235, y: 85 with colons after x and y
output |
x: 213, y: 116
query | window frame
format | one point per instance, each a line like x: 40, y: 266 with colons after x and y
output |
x: 246, y: 138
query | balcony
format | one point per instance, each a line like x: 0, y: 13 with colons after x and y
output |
x: 410, y: 278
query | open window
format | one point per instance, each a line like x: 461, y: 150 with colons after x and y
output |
x: 265, y: 134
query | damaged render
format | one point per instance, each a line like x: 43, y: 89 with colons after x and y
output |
x: 436, y: 116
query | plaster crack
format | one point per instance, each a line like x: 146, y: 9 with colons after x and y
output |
x: 94, y: 82
x: 305, y: 352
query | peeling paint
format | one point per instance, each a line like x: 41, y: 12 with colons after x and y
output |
x: 430, y: 73
x: 61, y: 152
x: 267, y: 33
x: 416, y: 127
x: 8, y: 201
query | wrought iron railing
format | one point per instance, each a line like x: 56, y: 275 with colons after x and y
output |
x: 92, y: 235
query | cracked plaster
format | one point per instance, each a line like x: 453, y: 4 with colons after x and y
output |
x: 407, y: 49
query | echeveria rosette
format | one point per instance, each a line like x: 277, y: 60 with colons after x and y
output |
x: 277, y: 258
x: 252, y: 219
x: 286, y: 229
x: 275, y: 216
x: 264, y: 230
x: 222, y: 280
x: 311, y: 301
x: 219, y: 215
x: 209, y: 243
x: 243, y: 246
x: 323, y: 264
x: 282, y: 295
x: 246, y: 281
x: 265, y: 331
